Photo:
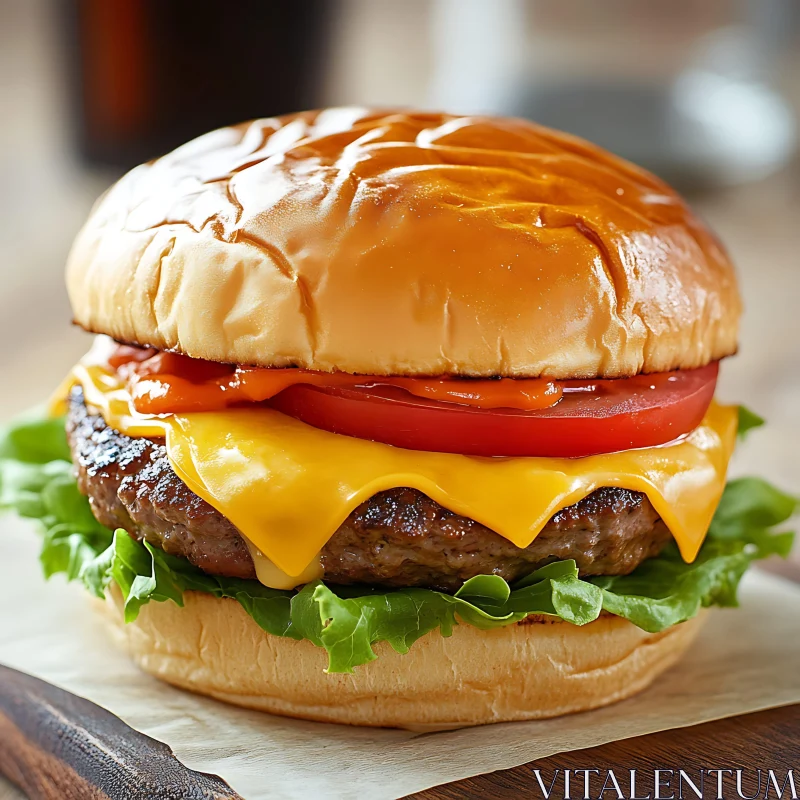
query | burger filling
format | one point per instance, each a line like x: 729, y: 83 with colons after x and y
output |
x: 397, y: 538
x: 350, y: 510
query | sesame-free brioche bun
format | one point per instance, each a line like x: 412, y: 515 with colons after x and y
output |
x: 406, y: 243
x: 542, y: 667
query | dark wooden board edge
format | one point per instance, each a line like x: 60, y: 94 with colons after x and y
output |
x: 55, y: 745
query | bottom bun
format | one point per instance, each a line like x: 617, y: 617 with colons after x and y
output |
x: 542, y: 667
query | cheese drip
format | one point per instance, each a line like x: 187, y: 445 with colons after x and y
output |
x: 287, y: 486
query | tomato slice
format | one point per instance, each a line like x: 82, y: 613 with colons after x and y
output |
x: 504, y: 417
x: 601, y: 416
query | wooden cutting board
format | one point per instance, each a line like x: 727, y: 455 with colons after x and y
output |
x: 58, y: 746
x: 768, y: 739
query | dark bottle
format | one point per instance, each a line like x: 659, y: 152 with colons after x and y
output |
x: 147, y: 75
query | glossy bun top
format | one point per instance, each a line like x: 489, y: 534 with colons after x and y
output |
x: 397, y: 242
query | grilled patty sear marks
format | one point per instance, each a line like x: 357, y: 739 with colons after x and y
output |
x: 399, y: 537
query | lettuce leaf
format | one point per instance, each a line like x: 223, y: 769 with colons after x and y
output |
x: 36, y: 481
x: 747, y: 421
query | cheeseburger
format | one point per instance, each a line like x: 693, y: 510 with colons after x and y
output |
x: 398, y: 419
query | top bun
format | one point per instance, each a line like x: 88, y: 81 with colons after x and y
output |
x: 405, y: 243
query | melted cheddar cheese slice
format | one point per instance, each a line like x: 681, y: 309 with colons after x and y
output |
x: 287, y: 486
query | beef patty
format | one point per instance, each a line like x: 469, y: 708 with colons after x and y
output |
x: 399, y: 537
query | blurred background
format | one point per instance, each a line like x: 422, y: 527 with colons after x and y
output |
x: 704, y: 92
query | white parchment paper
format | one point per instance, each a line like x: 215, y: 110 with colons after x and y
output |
x: 745, y: 660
